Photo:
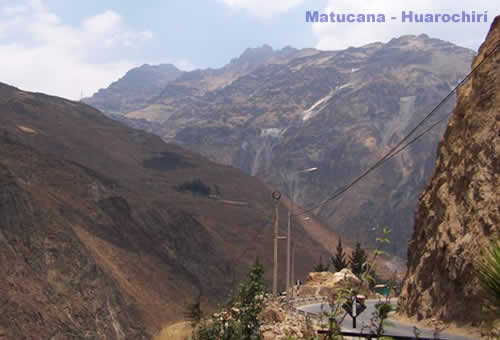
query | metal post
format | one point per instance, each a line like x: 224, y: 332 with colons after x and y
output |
x: 289, y: 278
x: 288, y: 253
x: 293, y: 267
x: 275, y: 269
x: 354, y: 315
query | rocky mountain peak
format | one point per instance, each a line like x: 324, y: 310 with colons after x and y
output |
x: 262, y: 55
x: 419, y: 42
x: 147, y: 69
x: 254, y: 55
x: 137, y: 87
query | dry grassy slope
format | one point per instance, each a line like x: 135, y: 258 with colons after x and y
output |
x: 177, y: 331
x: 52, y: 286
x: 459, y: 212
x: 109, y: 190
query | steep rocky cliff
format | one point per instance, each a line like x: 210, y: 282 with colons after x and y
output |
x: 459, y: 212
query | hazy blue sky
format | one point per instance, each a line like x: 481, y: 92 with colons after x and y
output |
x: 65, y: 47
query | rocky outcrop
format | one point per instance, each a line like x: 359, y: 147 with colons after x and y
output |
x: 278, y: 323
x: 459, y: 212
x: 324, y: 283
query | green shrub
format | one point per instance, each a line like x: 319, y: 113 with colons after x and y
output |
x: 339, y: 261
x: 239, y: 320
x: 320, y: 267
x: 488, y: 270
x: 358, y: 259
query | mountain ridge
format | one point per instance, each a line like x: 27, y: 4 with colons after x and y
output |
x: 135, y: 88
x: 335, y: 110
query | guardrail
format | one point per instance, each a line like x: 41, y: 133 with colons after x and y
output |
x: 293, y: 304
x: 373, y: 336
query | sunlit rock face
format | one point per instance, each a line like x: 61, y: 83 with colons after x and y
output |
x: 459, y: 212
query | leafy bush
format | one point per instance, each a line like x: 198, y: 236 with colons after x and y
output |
x: 239, y: 320
x: 488, y: 271
x: 193, y: 312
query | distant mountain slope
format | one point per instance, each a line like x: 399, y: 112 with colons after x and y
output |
x: 94, y: 235
x: 338, y: 111
x: 135, y: 89
x: 458, y: 214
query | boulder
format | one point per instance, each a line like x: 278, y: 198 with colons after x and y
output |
x: 322, y: 283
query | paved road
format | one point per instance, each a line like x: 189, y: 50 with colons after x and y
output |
x: 396, y: 328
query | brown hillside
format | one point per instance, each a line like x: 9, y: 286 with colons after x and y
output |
x: 94, y: 236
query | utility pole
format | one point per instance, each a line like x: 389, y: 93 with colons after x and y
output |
x: 275, y: 269
x: 276, y: 197
x: 289, y: 276
x: 293, y: 267
x: 288, y: 252
x: 289, y: 279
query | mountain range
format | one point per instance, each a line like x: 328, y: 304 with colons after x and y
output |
x: 273, y: 113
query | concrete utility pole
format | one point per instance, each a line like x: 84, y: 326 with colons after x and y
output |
x: 293, y: 268
x: 288, y: 252
x: 289, y: 276
x: 276, y: 197
x: 275, y: 268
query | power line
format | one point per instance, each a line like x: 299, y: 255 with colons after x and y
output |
x: 398, y: 147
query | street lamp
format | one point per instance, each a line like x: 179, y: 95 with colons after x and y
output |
x: 289, y: 232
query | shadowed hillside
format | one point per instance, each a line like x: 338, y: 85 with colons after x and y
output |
x: 95, y: 236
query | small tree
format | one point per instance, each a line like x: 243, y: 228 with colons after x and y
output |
x: 339, y: 261
x: 358, y: 259
x: 250, y: 298
x: 238, y: 320
x: 193, y: 312
x: 320, y: 267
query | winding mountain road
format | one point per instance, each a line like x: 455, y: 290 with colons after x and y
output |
x: 395, y: 327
